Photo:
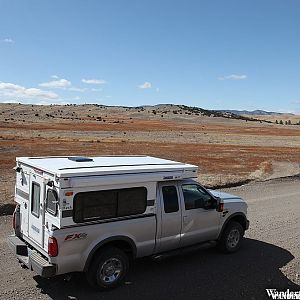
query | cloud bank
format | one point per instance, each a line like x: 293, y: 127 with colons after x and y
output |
x: 19, y: 92
x: 94, y: 81
x: 56, y: 84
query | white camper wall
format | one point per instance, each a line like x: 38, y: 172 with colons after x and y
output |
x: 66, y: 203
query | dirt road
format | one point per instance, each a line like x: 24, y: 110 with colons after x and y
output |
x: 269, y: 258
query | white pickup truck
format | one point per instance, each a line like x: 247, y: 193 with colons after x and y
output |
x: 95, y: 215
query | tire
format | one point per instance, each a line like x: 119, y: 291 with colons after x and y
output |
x: 108, y: 269
x: 231, y: 238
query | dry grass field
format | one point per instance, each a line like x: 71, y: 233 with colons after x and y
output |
x: 226, y: 150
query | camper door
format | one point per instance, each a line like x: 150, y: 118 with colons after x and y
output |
x: 36, y: 209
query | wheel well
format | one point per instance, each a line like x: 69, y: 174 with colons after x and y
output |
x: 120, y: 244
x: 237, y: 218
x: 240, y: 219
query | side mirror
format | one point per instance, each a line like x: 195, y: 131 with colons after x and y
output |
x: 218, y: 199
x: 219, y: 205
x: 210, y: 203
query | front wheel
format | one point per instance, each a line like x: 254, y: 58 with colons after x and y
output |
x: 108, y: 269
x: 231, y: 238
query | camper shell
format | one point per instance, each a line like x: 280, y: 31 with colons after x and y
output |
x: 69, y: 175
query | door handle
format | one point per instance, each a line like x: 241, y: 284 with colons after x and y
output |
x: 185, y: 219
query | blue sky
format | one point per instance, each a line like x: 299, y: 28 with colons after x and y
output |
x: 213, y: 54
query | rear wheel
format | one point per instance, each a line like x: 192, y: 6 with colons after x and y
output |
x: 231, y: 238
x: 108, y: 269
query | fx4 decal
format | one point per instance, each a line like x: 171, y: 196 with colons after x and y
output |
x: 75, y: 236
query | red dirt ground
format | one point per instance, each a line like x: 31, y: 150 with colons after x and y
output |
x: 219, y: 162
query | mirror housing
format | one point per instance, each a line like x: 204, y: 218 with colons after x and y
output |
x: 219, y: 206
x: 211, y: 203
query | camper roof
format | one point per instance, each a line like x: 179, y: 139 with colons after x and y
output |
x: 70, y: 166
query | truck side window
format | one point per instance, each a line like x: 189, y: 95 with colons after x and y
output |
x: 107, y: 204
x: 51, y: 202
x: 194, y: 196
x: 35, y: 199
x: 170, y: 198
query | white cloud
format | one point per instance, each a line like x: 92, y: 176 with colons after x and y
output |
x: 94, y: 81
x: 76, y: 89
x: 56, y: 84
x: 145, y: 85
x: 45, y: 102
x: 8, y: 40
x: 233, y: 77
x: 61, y: 83
x: 13, y: 90
x: 96, y: 90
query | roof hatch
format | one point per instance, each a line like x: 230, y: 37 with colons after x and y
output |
x: 80, y: 158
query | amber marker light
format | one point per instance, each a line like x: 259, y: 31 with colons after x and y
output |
x: 69, y: 194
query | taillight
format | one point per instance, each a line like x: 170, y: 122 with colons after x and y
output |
x: 52, y: 246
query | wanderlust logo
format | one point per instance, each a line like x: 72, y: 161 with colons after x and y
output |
x: 274, y: 294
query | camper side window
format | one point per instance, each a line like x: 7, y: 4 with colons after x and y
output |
x: 99, y: 205
x: 51, y: 202
x: 35, y: 199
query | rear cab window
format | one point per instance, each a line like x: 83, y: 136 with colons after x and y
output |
x: 170, y: 198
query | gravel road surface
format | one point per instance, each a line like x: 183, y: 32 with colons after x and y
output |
x: 269, y: 258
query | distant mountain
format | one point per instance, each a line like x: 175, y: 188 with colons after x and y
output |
x: 197, y: 111
x: 257, y: 112
x: 178, y: 109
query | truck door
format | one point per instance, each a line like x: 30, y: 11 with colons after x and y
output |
x: 199, y: 224
x: 170, y: 224
x: 36, y: 209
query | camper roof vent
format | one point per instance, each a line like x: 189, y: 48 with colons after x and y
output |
x: 80, y: 158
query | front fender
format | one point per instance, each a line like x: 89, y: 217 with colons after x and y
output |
x: 237, y: 217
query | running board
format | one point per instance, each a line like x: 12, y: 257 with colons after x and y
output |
x: 183, y: 251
